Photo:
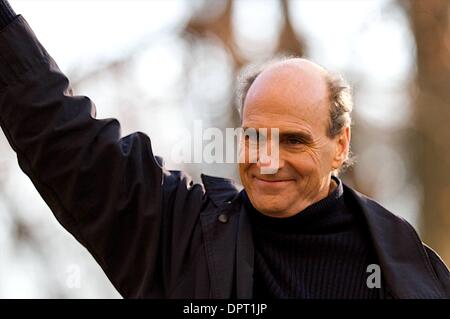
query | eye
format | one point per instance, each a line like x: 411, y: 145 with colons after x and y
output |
x: 294, y: 141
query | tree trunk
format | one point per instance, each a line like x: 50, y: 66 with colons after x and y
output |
x: 430, y: 25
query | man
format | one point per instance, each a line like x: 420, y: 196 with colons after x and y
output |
x: 297, y: 232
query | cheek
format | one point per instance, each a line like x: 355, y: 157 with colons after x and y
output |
x: 313, y: 162
x: 327, y: 158
x: 303, y: 164
x: 244, y: 173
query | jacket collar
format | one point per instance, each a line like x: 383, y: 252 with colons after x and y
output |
x: 402, y: 256
x: 220, y: 190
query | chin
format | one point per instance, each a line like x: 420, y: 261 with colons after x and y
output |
x: 272, y: 209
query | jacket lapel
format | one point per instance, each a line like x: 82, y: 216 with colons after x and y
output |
x: 403, y: 260
x: 220, y: 255
x: 229, y: 245
x: 244, y: 257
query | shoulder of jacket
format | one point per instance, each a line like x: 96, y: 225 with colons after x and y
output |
x: 371, y: 207
x: 220, y: 190
x: 400, y: 250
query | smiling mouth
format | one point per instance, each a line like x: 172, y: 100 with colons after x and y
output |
x: 274, y: 182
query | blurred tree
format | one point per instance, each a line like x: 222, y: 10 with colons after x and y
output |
x: 289, y: 41
x: 430, y: 24
x: 212, y: 21
x: 215, y: 18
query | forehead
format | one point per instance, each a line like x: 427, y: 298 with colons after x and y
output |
x: 288, y: 96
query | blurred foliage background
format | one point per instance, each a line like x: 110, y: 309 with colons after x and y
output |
x: 158, y: 66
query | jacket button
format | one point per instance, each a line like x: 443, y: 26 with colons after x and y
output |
x: 223, y: 218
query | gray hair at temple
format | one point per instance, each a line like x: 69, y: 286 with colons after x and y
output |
x: 340, y: 95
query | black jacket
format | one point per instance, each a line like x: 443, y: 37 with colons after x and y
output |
x: 154, y: 232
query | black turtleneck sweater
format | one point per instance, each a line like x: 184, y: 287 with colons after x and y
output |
x: 321, y: 252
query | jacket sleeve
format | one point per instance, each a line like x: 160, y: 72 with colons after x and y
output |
x: 109, y: 192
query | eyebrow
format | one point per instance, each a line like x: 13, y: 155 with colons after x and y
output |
x: 305, y: 136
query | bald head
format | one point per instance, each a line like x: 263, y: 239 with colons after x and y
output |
x: 299, y: 79
x: 296, y: 82
x: 297, y: 70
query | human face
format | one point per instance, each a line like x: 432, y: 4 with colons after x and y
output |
x: 292, y: 97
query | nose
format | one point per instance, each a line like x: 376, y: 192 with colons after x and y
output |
x: 264, y: 161
x: 269, y: 164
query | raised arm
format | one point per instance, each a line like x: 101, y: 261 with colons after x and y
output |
x: 7, y: 14
x: 109, y: 192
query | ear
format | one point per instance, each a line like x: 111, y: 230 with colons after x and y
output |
x: 342, y: 148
